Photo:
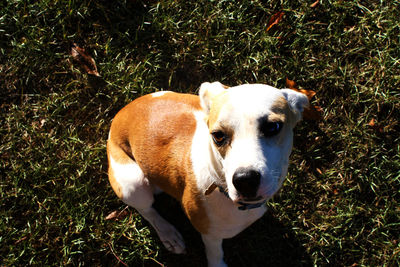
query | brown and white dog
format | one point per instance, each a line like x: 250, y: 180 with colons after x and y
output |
x: 236, y: 140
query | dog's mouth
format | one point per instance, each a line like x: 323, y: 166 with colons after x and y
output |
x: 251, y: 199
x: 252, y: 203
x: 243, y: 203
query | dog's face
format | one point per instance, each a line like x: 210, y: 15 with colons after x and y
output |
x: 251, y: 131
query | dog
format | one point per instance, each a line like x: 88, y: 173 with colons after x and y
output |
x: 222, y: 154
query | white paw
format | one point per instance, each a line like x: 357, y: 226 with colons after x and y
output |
x: 171, y: 238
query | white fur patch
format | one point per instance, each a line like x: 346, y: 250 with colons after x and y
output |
x: 159, y: 93
x: 207, y: 92
x: 130, y: 177
x: 226, y: 220
x: 202, y: 164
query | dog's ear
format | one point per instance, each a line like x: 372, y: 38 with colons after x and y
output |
x: 297, y: 102
x: 208, y: 91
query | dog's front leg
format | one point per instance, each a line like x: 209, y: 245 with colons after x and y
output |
x: 214, y: 251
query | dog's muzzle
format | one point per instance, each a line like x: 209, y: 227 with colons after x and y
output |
x: 246, y: 182
x: 242, y: 205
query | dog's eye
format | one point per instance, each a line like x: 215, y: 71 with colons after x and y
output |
x: 219, y: 138
x: 271, y: 128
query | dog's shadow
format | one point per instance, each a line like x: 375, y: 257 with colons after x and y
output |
x: 267, y: 242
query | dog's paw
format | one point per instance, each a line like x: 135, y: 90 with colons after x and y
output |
x: 171, y: 238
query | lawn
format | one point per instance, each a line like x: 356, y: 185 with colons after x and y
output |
x: 340, y: 204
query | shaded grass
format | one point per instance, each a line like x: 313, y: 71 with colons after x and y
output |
x: 340, y: 203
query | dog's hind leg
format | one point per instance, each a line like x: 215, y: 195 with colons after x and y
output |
x: 130, y: 184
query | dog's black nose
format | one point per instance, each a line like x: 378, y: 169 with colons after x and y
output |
x: 246, y: 182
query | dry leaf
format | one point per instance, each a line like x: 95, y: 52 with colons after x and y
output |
x: 115, y: 215
x: 292, y: 85
x: 372, y: 123
x: 275, y: 19
x: 376, y: 126
x: 84, y: 60
x: 112, y: 215
x: 312, y: 112
x: 335, y: 191
x: 316, y: 3
x: 42, y: 122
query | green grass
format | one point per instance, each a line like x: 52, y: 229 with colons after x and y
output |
x: 340, y: 203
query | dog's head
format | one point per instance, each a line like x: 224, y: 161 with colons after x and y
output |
x: 251, y: 134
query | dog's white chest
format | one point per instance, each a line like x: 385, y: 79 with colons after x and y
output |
x: 226, y: 220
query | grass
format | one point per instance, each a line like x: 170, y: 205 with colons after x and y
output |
x: 340, y: 203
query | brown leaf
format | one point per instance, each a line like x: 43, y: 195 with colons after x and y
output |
x: 275, y: 19
x: 316, y: 3
x: 312, y: 112
x: 372, y: 123
x: 376, y: 126
x: 115, y: 215
x: 84, y: 60
x: 292, y: 85
x: 112, y: 215
x: 335, y: 191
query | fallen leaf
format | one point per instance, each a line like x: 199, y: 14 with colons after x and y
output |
x: 112, y: 215
x: 275, y: 19
x: 115, y: 215
x: 372, y: 123
x: 292, y: 85
x: 84, y: 60
x: 316, y: 3
x: 42, y: 122
x: 335, y: 191
x: 312, y: 112
x: 376, y: 126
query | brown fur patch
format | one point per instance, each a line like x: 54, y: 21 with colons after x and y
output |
x: 213, y: 124
x: 157, y: 132
x: 111, y: 150
x: 279, y: 111
x: 218, y: 102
